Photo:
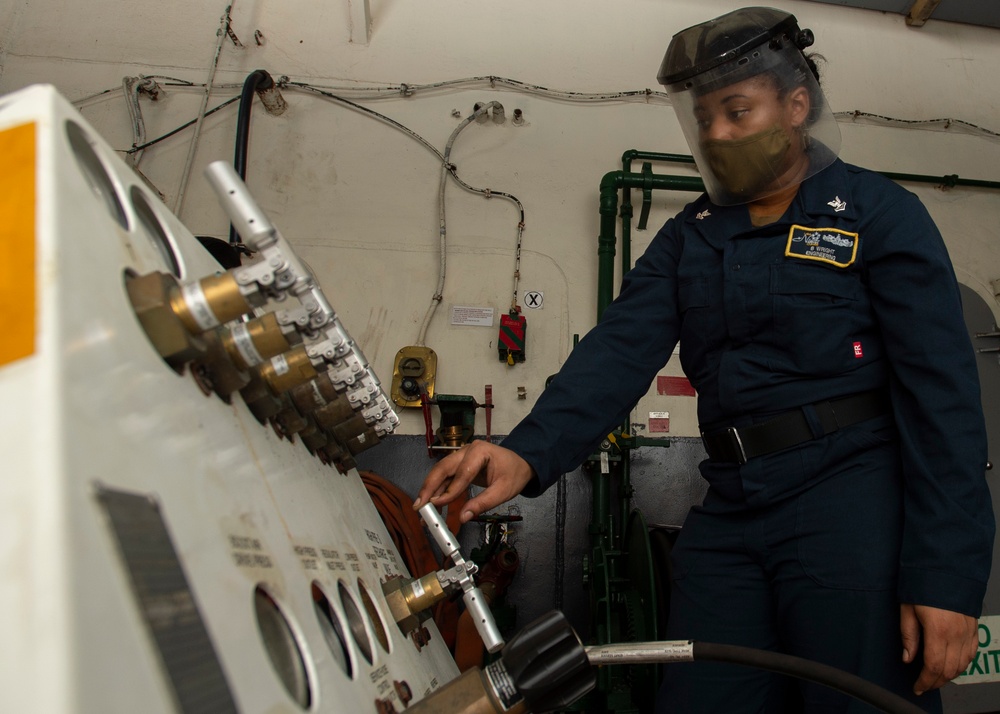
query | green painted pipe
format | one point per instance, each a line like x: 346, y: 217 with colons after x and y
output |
x: 607, y: 240
x: 949, y: 181
x: 626, y: 208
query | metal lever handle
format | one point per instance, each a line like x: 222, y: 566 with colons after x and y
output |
x: 471, y: 594
x: 244, y: 213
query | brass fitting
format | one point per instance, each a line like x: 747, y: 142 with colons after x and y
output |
x: 209, y: 302
x: 313, y: 395
x: 313, y: 437
x: 235, y: 349
x: 261, y: 402
x: 287, y: 370
x: 254, y: 341
x: 355, y: 434
x: 152, y: 299
x: 410, y: 600
x: 225, y: 375
x: 336, y: 411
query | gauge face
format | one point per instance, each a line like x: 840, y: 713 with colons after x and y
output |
x: 355, y: 622
x: 374, y: 616
x: 152, y: 228
x: 95, y: 174
x: 332, y: 630
x: 282, y: 648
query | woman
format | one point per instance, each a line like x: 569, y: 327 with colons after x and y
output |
x: 847, y: 518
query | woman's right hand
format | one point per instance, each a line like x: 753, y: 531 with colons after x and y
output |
x: 503, y: 473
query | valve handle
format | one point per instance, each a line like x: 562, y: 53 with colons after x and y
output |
x: 471, y: 594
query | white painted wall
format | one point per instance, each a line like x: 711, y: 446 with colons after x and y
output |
x: 358, y: 198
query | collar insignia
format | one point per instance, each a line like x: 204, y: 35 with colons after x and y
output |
x: 837, y: 204
x: 705, y: 214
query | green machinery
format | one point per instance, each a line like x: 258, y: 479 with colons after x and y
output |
x: 625, y: 596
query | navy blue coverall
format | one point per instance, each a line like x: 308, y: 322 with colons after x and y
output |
x: 811, y: 549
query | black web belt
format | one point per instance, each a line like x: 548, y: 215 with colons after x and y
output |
x: 738, y: 445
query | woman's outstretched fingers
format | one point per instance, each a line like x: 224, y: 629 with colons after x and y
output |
x: 503, y: 473
x: 440, y: 481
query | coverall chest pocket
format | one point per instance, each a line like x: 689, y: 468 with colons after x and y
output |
x: 819, y: 311
x: 692, y: 292
x: 702, y: 323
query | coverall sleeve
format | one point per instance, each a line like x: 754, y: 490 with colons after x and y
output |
x: 949, y: 522
x: 608, y: 371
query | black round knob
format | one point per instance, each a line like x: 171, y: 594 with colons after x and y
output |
x: 548, y: 664
x: 410, y: 387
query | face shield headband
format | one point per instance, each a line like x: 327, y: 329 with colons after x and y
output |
x: 756, y: 162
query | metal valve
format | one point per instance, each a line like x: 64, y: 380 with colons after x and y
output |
x: 410, y: 600
x: 461, y: 576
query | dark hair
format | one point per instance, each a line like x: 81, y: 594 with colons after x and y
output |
x: 785, y: 78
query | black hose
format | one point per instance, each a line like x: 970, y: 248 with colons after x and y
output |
x: 257, y: 80
x: 826, y: 675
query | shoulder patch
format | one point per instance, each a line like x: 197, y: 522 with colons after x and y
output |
x: 826, y: 245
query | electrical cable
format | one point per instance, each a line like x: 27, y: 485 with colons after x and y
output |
x: 486, y: 192
x: 103, y: 94
x: 131, y: 95
x: 257, y: 79
x: 494, y: 82
x: 186, y: 173
x: 446, y: 165
x: 517, y: 265
x: 408, y: 90
x: 672, y: 651
x: 943, y: 124
x: 131, y: 88
x: 381, y: 117
x: 442, y: 230
x: 182, y: 127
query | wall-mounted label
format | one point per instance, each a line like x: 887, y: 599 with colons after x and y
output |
x: 474, y: 316
x: 674, y: 387
x: 534, y: 299
x: 985, y: 666
x: 659, y: 422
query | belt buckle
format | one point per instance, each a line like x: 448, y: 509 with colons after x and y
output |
x: 741, y: 454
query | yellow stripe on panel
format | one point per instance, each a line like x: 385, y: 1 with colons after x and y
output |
x: 17, y: 243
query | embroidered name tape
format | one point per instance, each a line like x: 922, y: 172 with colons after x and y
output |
x: 827, y: 245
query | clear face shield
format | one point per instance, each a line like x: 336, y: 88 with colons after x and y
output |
x: 750, y: 107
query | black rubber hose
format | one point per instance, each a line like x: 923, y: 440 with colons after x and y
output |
x: 826, y: 675
x: 257, y: 80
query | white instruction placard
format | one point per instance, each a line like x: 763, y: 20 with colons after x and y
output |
x: 469, y: 315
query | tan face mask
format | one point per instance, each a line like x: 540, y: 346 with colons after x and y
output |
x: 746, y: 166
